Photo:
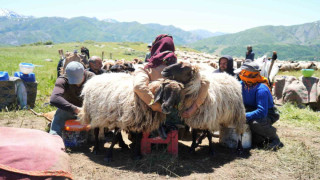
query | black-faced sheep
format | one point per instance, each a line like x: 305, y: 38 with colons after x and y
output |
x: 110, y: 102
x: 222, y: 107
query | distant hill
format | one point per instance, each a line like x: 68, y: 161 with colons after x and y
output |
x: 16, y: 30
x: 304, y: 39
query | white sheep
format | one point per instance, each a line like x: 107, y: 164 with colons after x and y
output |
x: 109, y: 102
x: 222, y: 107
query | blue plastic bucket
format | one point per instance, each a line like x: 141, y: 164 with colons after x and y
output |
x: 4, y: 76
x: 26, y: 77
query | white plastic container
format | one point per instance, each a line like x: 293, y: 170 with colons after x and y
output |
x: 229, y: 138
x: 26, y: 68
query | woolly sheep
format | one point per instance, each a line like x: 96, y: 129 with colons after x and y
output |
x: 223, y: 106
x: 109, y: 102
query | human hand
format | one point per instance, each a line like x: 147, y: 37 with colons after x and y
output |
x: 77, y: 110
x: 156, y: 107
x: 189, y: 112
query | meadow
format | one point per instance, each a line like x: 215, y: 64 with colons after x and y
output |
x: 299, y: 129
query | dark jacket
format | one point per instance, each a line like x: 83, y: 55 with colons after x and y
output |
x: 148, y: 55
x: 101, y: 71
x: 229, y: 65
x: 60, y: 65
x: 250, y: 55
x: 66, y: 96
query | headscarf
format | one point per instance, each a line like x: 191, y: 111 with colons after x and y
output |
x: 229, y: 69
x: 252, y: 78
x: 162, y: 52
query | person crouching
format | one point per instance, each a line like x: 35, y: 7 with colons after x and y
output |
x: 260, y: 110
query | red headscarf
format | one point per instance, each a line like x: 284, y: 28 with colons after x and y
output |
x: 162, y: 52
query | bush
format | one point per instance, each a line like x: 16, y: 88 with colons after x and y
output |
x: 38, y: 43
x: 48, y: 43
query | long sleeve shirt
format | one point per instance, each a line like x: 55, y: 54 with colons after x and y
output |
x: 66, y: 96
x: 258, y: 98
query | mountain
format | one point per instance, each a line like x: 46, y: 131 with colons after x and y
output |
x: 10, y: 14
x: 14, y: 31
x: 206, y: 34
x: 304, y: 38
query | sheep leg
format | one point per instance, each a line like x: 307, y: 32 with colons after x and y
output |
x: 194, y: 141
x: 115, y: 139
x: 137, y: 146
x: 96, y: 148
x: 203, y: 135
x: 122, y: 144
x: 240, y: 148
x: 211, y: 151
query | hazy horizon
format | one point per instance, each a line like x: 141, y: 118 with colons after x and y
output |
x: 229, y: 16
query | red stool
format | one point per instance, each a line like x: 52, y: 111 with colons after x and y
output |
x: 172, y: 141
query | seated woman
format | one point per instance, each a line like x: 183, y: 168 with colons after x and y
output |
x: 260, y: 110
x: 162, y: 55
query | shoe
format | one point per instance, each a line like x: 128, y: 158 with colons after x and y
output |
x: 275, y: 144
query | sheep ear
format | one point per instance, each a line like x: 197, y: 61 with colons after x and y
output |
x: 184, y: 64
x: 159, y: 94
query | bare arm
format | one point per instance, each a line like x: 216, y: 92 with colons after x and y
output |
x: 202, y: 95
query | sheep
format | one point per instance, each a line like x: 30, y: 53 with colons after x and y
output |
x: 109, y: 102
x: 222, y: 107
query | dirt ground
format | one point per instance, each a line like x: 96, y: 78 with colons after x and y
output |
x: 298, y: 159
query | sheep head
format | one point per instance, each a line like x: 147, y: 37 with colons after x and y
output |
x: 182, y: 72
x: 168, y: 94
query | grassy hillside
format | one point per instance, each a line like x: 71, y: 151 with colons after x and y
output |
x: 46, y: 72
x: 285, y: 51
x: 292, y: 42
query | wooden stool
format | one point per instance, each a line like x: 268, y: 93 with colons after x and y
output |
x: 171, y: 141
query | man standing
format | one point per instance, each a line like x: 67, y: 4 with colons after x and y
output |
x: 95, y: 65
x: 148, y: 55
x: 249, y: 53
x: 225, y: 65
x: 66, y: 95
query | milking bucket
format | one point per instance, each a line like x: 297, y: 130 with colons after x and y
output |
x: 229, y: 138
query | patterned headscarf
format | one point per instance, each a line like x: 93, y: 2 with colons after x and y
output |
x: 252, y: 78
x: 162, y: 52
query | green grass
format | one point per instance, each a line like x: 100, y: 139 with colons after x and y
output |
x: 46, y: 72
x: 297, y: 73
x: 305, y: 117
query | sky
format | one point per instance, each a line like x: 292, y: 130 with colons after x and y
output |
x: 227, y: 16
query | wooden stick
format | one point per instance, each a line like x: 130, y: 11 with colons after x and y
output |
x: 102, y: 55
x: 40, y: 114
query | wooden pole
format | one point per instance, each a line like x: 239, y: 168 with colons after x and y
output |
x: 274, y: 57
x: 102, y: 55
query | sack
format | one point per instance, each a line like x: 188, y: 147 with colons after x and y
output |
x: 273, y: 115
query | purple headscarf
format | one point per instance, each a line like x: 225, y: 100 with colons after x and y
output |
x: 162, y: 52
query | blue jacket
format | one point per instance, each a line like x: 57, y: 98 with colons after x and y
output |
x: 259, y: 98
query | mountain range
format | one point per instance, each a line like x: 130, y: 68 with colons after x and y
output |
x: 16, y: 30
x: 297, y: 42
